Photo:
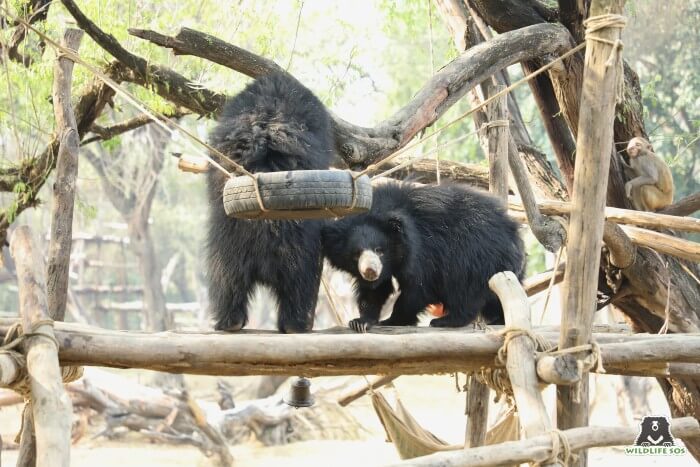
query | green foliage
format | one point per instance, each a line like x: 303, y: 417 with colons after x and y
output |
x: 661, y: 43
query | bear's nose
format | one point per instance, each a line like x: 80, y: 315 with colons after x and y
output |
x: 370, y: 265
x: 369, y: 274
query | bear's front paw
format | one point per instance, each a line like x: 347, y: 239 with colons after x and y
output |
x: 361, y: 325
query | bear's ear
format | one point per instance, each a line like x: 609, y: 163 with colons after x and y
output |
x: 396, y: 221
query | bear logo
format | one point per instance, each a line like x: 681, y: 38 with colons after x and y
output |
x: 654, y: 431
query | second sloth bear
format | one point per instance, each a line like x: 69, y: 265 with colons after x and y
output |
x: 274, y: 124
x: 441, y: 243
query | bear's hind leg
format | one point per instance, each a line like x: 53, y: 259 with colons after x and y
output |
x: 459, y: 313
x: 229, y: 302
x: 297, y: 293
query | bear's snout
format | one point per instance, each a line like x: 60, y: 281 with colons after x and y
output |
x: 370, y: 265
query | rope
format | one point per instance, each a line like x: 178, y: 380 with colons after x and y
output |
x: 510, y: 333
x: 595, y: 24
x: 593, y: 360
x: 496, y: 379
x: 505, y: 91
x: 158, y: 118
x: 436, y: 149
x: 561, y: 449
x: 14, y: 337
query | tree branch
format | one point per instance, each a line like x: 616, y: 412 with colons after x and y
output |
x: 39, y: 11
x: 683, y: 207
x: 360, y: 146
x: 191, y: 42
x: 163, y: 81
x: 105, y: 133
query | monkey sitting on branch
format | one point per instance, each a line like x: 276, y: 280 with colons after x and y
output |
x: 651, y: 188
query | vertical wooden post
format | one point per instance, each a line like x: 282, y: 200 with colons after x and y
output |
x: 51, y: 406
x: 477, y: 413
x: 497, y: 112
x: 61, y: 240
x: 60, y: 243
x: 520, y: 359
x: 584, y: 241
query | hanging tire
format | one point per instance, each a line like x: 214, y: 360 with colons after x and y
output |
x: 298, y: 194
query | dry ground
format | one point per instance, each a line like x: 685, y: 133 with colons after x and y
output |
x: 433, y: 401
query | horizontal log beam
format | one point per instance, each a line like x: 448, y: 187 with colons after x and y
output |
x: 539, y: 448
x: 339, y: 351
x: 618, y: 215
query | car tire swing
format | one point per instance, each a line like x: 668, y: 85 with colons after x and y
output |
x: 298, y: 194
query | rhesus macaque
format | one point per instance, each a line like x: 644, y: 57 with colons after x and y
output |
x: 652, y: 187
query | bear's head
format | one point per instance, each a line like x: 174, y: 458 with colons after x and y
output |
x: 370, y: 248
x: 654, y: 431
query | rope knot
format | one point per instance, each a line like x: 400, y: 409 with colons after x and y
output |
x: 593, y: 25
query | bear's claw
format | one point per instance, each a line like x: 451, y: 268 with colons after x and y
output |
x: 361, y: 325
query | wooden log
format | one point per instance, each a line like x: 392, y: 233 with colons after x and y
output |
x: 10, y: 370
x: 539, y: 448
x: 339, y: 351
x: 619, y: 216
x: 477, y: 413
x: 562, y: 370
x: 64, y: 186
x: 656, y: 241
x: 353, y: 393
x: 520, y: 357
x: 540, y: 282
x: 594, y: 145
x: 51, y: 407
x: 497, y: 113
x: 26, y: 457
x: 664, y: 243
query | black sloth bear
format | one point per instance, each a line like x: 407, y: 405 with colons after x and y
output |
x: 274, y: 124
x: 654, y: 431
x: 441, y: 243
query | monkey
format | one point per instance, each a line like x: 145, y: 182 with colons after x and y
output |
x: 651, y: 188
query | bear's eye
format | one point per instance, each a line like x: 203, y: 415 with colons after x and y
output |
x: 379, y: 251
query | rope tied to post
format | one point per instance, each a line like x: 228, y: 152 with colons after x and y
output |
x: 593, y: 25
x: 16, y: 336
x: 561, y: 449
x: 498, y: 378
x: 539, y: 342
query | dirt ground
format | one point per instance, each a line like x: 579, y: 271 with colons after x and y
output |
x: 432, y: 400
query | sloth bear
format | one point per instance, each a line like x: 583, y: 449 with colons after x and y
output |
x: 654, y: 431
x: 274, y: 124
x: 441, y: 243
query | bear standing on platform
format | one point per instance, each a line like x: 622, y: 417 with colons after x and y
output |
x: 441, y: 243
x: 274, y: 124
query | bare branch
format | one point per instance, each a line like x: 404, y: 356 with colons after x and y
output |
x: 360, y: 146
x: 105, y: 133
x: 191, y: 42
x: 39, y: 11
x: 163, y: 81
x: 684, y: 207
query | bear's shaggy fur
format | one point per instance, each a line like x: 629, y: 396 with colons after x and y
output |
x: 441, y: 243
x: 274, y: 124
